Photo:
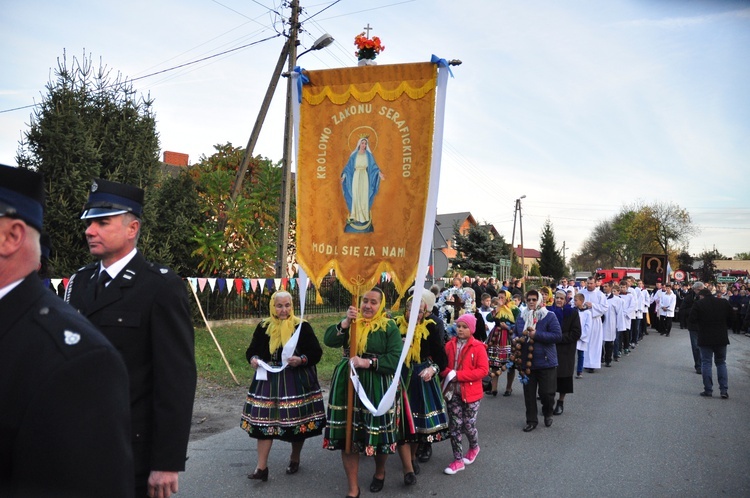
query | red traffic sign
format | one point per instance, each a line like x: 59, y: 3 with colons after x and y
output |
x: 679, y: 275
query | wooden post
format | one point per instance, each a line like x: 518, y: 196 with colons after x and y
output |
x: 350, y: 386
x: 200, y: 308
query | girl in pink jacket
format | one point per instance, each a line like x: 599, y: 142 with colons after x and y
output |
x: 468, y: 364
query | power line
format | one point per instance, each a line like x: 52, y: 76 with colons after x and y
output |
x: 206, y: 58
x: 174, y: 67
x: 322, y: 10
x: 368, y: 10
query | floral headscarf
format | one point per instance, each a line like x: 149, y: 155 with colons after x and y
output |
x: 280, y: 331
x: 420, y: 333
x: 365, y: 326
x: 505, y: 312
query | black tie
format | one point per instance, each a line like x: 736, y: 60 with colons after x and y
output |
x: 101, y: 283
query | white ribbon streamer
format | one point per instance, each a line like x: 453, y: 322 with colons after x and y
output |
x: 386, y: 403
x: 263, y: 368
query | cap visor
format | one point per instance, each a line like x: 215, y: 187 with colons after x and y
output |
x: 101, y: 213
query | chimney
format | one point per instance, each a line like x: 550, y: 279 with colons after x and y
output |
x: 175, y: 158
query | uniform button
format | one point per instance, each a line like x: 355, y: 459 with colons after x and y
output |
x: 44, y: 311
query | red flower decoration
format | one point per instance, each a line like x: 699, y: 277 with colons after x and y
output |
x: 368, y: 48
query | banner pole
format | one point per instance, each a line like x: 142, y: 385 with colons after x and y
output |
x: 350, y: 386
x: 200, y: 308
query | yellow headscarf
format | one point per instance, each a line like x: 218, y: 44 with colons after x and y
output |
x: 549, y: 298
x: 280, y: 331
x: 421, y: 332
x: 365, y: 326
x: 505, y: 312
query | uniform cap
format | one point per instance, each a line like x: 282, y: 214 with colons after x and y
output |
x: 22, y: 195
x: 108, y: 198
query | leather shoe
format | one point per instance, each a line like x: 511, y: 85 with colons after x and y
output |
x: 706, y: 394
x: 359, y: 492
x: 547, y: 421
x: 559, y: 408
x: 410, y: 478
x: 416, y: 467
x: 293, y: 467
x: 426, y: 454
x: 725, y: 395
x: 529, y: 427
x: 377, y: 484
x: 259, y: 474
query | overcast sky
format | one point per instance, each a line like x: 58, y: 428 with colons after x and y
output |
x: 581, y: 106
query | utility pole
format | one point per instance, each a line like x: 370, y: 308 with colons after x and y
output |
x: 517, y: 210
x: 520, y: 227
x: 237, y: 187
x: 282, y: 244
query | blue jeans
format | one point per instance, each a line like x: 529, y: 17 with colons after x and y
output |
x: 580, y: 362
x: 635, y: 330
x: 694, y: 347
x: 618, y: 339
x: 719, y: 354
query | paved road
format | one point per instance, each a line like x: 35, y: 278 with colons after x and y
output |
x: 636, y: 429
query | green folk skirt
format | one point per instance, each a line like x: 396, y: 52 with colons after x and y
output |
x: 371, y: 435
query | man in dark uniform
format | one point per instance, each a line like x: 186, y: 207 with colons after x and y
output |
x: 142, y: 308
x: 64, y: 422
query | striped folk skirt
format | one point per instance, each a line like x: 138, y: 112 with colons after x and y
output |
x: 371, y: 435
x: 424, y: 401
x: 288, y: 406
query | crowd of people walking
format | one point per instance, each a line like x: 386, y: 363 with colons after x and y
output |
x: 466, y: 337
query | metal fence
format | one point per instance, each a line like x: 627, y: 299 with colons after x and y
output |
x: 331, y: 297
x: 218, y: 303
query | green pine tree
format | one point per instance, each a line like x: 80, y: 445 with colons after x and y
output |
x: 89, y: 124
x: 478, y: 251
x: 551, y: 262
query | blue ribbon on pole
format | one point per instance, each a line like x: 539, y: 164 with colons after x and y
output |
x: 441, y: 63
x: 301, y: 80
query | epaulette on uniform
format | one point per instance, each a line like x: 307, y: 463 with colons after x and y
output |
x: 70, y: 332
x: 160, y: 269
x: 89, y: 266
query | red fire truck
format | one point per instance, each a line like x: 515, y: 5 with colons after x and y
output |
x: 617, y: 273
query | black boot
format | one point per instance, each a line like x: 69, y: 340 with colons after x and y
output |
x: 558, y: 408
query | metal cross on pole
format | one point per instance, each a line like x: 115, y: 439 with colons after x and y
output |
x: 367, y: 30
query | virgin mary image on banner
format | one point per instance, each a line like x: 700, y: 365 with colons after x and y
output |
x: 360, y: 181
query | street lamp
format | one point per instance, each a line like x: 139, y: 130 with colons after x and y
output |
x: 517, y: 210
x: 520, y: 228
x: 322, y: 42
x: 282, y: 242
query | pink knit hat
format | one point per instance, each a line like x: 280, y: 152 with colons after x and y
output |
x: 469, y: 320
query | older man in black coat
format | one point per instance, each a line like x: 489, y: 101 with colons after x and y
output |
x: 712, y: 316
x: 65, y: 418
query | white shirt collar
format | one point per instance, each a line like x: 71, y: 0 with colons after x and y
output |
x: 115, y: 268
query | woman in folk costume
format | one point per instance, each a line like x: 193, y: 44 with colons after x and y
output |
x: 499, y: 342
x: 570, y: 323
x: 425, y: 418
x: 378, y: 350
x: 286, y: 405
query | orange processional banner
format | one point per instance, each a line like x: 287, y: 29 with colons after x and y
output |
x: 363, y: 172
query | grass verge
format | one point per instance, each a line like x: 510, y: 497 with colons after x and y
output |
x: 234, y: 340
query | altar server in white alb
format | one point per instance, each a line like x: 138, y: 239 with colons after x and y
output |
x: 595, y: 301
x: 614, y: 322
x: 667, y: 304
